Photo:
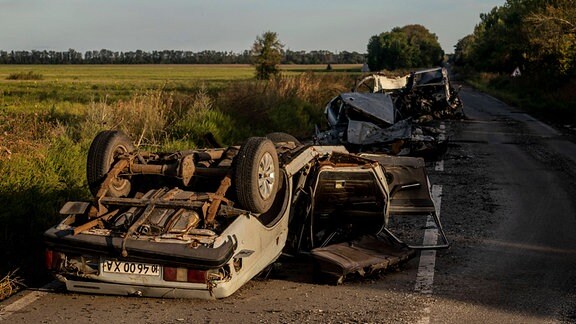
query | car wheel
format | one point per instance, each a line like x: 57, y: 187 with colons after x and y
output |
x: 105, y: 149
x: 278, y: 137
x: 256, y: 174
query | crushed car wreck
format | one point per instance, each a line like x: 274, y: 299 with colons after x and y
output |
x: 420, y: 93
x: 370, y: 122
x: 201, y: 223
x: 395, y: 116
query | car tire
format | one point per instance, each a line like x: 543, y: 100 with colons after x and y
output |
x: 256, y: 174
x: 103, y: 152
x: 279, y: 137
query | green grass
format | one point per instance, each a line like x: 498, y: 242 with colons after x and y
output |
x: 86, y: 83
x: 135, y: 74
x: 146, y: 75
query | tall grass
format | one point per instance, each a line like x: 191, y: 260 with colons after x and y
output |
x: 292, y: 104
x: 201, y: 117
x: 30, y: 75
x: 144, y: 117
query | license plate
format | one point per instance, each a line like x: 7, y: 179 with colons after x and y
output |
x: 147, y: 269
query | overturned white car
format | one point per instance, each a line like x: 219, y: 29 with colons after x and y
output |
x: 201, y: 223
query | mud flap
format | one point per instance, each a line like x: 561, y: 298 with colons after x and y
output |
x: 365, y: 256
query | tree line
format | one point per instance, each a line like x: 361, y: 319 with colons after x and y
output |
x: 537, y: 36
x: 105, y: 56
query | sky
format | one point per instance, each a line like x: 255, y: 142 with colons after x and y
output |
x: 226, y: 25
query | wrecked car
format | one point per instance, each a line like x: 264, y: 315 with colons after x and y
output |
x: 371, y: 122
x: 420, y: 93
x: 201, y: 223
x: 394, y: 115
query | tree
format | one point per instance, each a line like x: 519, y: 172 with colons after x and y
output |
x: 499, y: 39
x: 552, y: 36
x: 390, y: 50
x: 267, y: 54
x: 464, y: 51
x: 428, y: 51
x: 408, y: 47
x: 536, y: 35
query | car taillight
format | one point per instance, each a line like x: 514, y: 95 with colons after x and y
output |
x: 52, y: 259
x: 184, y: 275
x: 48, y: 256
x: 196, y: 276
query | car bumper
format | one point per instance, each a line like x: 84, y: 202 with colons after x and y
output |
x: 104, y: 288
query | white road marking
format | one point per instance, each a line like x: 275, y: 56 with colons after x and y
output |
x: 425, y: 276
x: 442, y: 134
x: 439, y: 166
x: 20, y: 303
x: 33, y: 296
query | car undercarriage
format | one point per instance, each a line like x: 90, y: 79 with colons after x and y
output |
x: 201, y: 223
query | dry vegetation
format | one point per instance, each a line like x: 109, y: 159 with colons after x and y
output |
x: 10, y: 285
x: 30, y: 75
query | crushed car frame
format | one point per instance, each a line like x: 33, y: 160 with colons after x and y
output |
x: 420, y: 93
x: 393, y: 115
x: 370, y: 122
x: 201, y: 223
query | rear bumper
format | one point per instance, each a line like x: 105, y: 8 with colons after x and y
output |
x: 104, y: 288
x: 140, y: 250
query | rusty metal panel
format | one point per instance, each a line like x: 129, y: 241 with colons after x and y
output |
x: 359, y: 257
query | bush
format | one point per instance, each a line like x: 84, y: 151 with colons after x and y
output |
x: 30, y: 75
x: 32, y: 191
x: 287, y: 103
x: 43, y: 169
x: 295, y: 117
x: 200, y: 118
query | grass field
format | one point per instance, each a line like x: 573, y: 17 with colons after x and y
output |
x: 85, y: 83
x: 150, y: 72
x: 48, y: 122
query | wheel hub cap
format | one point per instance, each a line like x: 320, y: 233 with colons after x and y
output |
x: 266, y: 175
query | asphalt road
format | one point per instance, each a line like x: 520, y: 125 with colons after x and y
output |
x: 520, y: 264
x: 508, y: 205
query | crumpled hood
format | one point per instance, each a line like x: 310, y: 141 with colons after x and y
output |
x: 375, y: 105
